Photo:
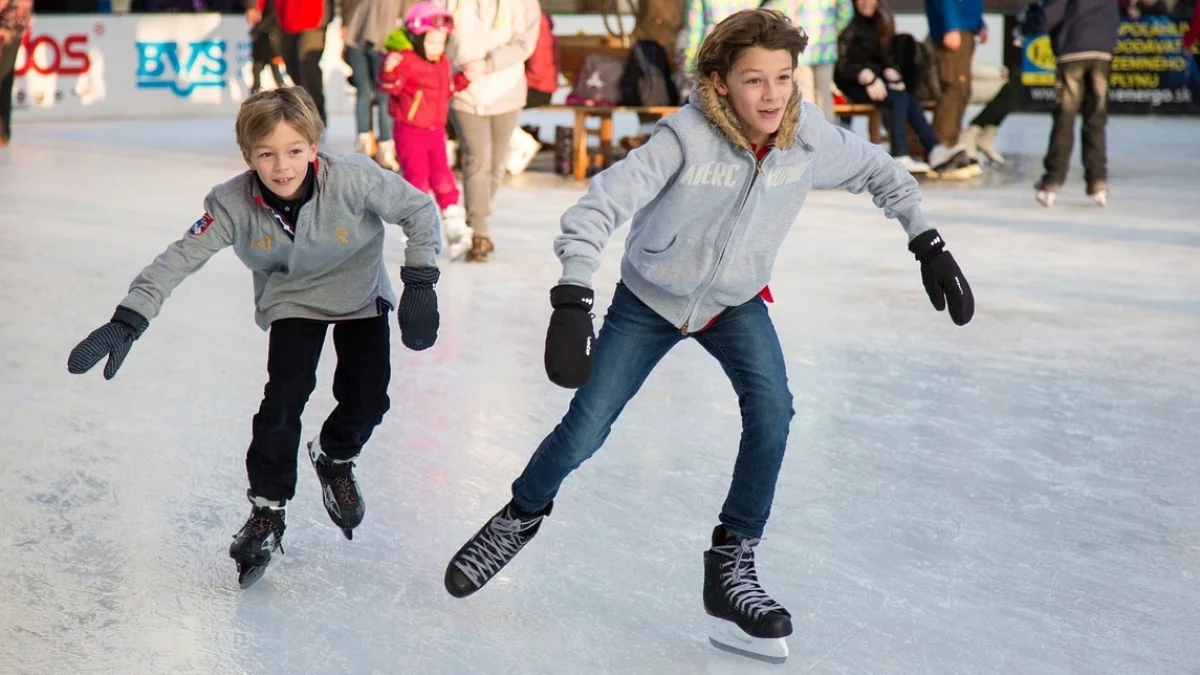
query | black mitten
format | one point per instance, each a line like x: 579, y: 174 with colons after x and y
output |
x: 570, y: 339
x: 418, y: 313
x: 944, y: 281
x: 113, y: 340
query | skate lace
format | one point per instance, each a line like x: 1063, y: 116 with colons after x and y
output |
x: 493, y: 547
x: 343, y: 490
x: 260, y: 526
x: 740, y: 579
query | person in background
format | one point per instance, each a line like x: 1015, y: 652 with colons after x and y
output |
x: 491, y: 41
x: 867, y: 73
x: 368, y: 24
x: 15, y: 17
x: 953, y: 28
x: 1083, y: 34
x: 264, y: 48
x: 542, y: 68
x: 302, y: 24
x: 701, y: 16
x: 823, y: 21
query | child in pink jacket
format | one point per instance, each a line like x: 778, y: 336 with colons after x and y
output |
x: 417, y: 78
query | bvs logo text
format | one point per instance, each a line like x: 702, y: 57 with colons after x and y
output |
x: 160, y: 65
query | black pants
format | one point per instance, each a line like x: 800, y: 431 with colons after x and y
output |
x: 8, y: 65
x: 536, y: 99
x: 360, y: 384
x: 302, y: 57
x: 1004, y: 102
x: 1081, y: 87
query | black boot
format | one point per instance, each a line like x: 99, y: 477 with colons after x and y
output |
x: 259, y: 537
x: 339, y: 490
x: 732, y: 591
x: 492, y: 547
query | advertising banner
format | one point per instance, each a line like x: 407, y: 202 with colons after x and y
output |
x: 1151, y: 71
x: 155, y: 65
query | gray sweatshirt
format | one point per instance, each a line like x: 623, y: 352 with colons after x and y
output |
x: 501, y: 33
x: 333, y: 270
x: 708, y: 218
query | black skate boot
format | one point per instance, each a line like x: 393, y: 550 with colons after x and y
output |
x: 492, y: 547
x: 745, y: 620
x: 259, y: 537
x: 339, y: 490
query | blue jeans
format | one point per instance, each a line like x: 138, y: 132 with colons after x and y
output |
x: 904, y: 109
x: 364, y: 64
x: 632, y: 341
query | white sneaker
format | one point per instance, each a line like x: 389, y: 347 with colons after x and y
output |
x: 522, y: 148
x: 365, y: 144
x: 912, y: 165
x: 386, y: 157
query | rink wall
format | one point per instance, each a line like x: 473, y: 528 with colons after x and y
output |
x: 149, y: 65
x: 106, y: 66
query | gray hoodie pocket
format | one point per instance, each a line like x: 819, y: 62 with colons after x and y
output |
x: 678, y: 268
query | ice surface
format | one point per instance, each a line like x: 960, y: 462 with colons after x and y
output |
x: 1018, y: 496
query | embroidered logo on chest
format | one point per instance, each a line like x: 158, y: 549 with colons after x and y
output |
x: 342, y: 234
x: 263, y: 244
x: 716, y: 174
x: 786, y: 175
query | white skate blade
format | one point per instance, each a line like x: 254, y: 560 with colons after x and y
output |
x: 726, y: 636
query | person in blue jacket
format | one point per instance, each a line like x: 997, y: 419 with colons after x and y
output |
x: 954, y: 26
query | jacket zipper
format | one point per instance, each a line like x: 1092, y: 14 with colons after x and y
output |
x: 412, y: 111
x: 724, y: 245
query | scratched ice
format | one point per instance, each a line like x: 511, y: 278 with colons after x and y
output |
x: 1017, y: 496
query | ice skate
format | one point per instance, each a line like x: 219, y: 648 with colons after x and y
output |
x: 743, y: 619
x: 969, y: 140
x: 339, y: 490
x: 365, y: 144
x: 492, y: 547
x: 458, y: 235
x: 950, y: 163
x: 1045, y: 194
x: 1099, y: 193
x: 987, y: 145
x: 386, y: 156
x: 259, y: 537
x: 522, y: 148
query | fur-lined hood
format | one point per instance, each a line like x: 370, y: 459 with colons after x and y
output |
x: 718, y: 111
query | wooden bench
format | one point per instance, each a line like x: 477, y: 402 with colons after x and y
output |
x: 603, y: 131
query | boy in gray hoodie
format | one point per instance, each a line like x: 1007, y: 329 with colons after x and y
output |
x: 310, y: 226
x: 711, y: 197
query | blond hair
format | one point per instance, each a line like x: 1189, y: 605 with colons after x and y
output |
x: 261, y: 113
x: 766, y: 28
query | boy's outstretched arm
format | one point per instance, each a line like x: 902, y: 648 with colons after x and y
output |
x: 151, y: 288
x: 848, y: 161
x: 614, y: 195
x: 395, y: 200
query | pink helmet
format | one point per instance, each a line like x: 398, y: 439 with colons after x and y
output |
x: 426, y: 16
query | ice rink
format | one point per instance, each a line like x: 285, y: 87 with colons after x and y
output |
x: 1018, y: 496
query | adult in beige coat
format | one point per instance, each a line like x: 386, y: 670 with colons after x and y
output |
x: 491, y: 41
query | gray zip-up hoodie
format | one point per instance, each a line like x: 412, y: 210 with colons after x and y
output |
x: 708, y: 217
x: 332, y: 270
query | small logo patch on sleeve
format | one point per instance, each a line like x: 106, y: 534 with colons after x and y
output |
x: 201, y: 225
